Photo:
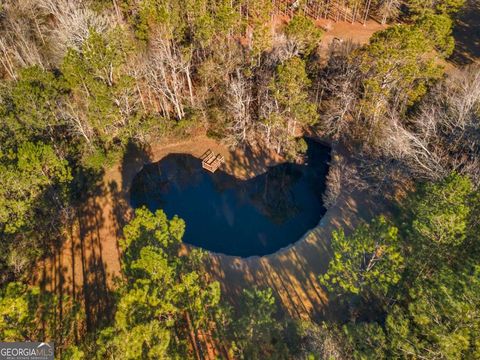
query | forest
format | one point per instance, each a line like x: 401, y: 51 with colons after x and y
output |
x: 82, y: 81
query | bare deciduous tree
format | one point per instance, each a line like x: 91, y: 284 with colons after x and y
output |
x: 23, y: 32
x: 77, y: 122
x: 444, y: 135
x: 73, y: 21
x: 239, y: 99
x: 388, y: 9
x: 337, y: 92
x: 167, y: 71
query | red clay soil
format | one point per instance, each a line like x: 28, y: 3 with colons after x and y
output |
x: 356, y: 32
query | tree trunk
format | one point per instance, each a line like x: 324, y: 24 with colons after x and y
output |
x: 193, y: 337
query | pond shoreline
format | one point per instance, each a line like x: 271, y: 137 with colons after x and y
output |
x: 89, y: 259
x: 279, y: 205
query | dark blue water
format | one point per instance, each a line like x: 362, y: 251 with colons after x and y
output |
x: 236, y: 217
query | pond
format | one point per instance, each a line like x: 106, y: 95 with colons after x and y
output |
x: 237, y: 217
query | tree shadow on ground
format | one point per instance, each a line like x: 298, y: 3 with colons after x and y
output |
x: 134, y: 158
x: 75, y: 266
x: 91, y: 256
x: 467, y: 34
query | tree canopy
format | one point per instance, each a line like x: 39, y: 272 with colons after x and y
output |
x: 368, y: 261
x: 164, y: 294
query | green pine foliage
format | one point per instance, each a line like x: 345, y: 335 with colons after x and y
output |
x: 366, y: 341
x: 420, y: 7
x: 366, y: 263
x: 434, y: 314
x: 17, y: 311
x: 95, y: 76
x: 438, y: 29
x: 304, y: 33
x: 256, y: 334
x: 164, y: 295
x: 24, y: 177
x: 440, y: 212
x: 398, y: 65
x: 23, y: 307
x: 290, y: 89
x: 442, y: 318
x: 30, y: 105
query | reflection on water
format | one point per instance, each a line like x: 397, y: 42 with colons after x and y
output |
x: 236, y: 217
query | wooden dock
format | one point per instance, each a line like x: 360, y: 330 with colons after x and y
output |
x: 212, y: 162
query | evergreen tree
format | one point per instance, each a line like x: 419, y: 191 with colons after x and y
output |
x: 256, y: 334
x: 164, y: 294
x: 398, y: 65
x: 440, y: 224
x: 366, y: 263
x: 292, y: 106
x: 102, y: 91
x: 290, y: 90
x: 304, y: 33
x: 18, y: 305
x: 420, y: 7
x: 24, y: 177
x: 441, y: 320
x: 366, y: 341
x: 440, y: 212
x: 438, y: 29
x: 258, y: 26
x: 31, y: 106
